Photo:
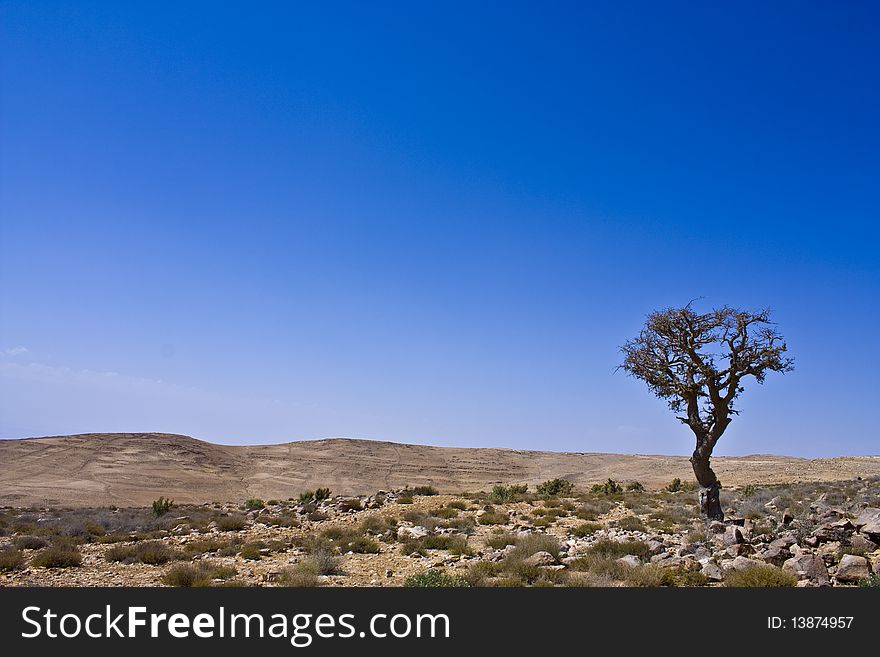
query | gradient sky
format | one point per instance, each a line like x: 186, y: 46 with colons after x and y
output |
x: 432, y: 222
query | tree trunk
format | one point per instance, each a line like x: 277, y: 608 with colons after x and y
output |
x: 710, y: 487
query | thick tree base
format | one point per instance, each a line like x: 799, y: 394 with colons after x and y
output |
x: 710, y: 502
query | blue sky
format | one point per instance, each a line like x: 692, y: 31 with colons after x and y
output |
x: 431, y: 223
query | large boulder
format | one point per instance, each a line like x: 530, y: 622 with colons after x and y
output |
x: 712, y: 571
x: 416, y: 532
x: 808, y: 566
x: 868, y: 523
x: 542, y: 558
x: 852, y: 568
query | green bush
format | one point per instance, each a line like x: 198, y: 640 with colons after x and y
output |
x: 424, y: 490
x: 529, y: 544
x: 162, y: 506
x: 586, y: 529
x: 674, y: 486
x: 502, y: 494
x: 254, y: 504
x: 871, y: 581
x: 759, y: 576
x: 610, y: 487
x: 359, y: 545
x: 322, y: 494
x: 555, y: 487
x: 460, y: 505
x: 635, y: 487
x: 435, y: 579
x: 307, y: 497
x: 493, y: 517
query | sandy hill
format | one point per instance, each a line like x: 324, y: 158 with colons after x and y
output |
x: 136, y: 468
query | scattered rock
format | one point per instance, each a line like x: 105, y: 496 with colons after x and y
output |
x: 852, y: 568
x: 808, y: 566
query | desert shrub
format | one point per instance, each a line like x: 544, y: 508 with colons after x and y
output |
x: 162, y: 506
x: 649, y: 575
x: 11, y: 559
x: 610, y: 487
x: 601, y: 566
x: 586, y: 529
x: 477, y: 573
x: 196, y: 575
x: 377, y: 524
x: 29, y: 542
x: 500, y: 540
x: 359, y: 544
x: 502, y: 494
x: 351, y: 504
x: 555, y: 487
x: 306, y: 497
x: 635, y: 487
x: 674, y: 486
x: 424, y: 490
x: 445, y: 512
x: 592, y: 510
x: 231, y: 523
x: 872, y: 581
x: 544, y: 521
x: 434, y: 578
x: 203, y: 546
x: 303, y: 575
x: 413, y: 546
x: 615, y: 549
x: 153, y: 553
x: 529, y: 544
x: 405, y: 499
x: 631, y: 524
x: 493, y: 517
x: 760, y: 576
x: 322, y: 494
x: 325, y: 561
x: 749, y: 490
x: 460, y: 505
x: 251, y: 551
x: 61, y: 555
x: 464, y: 524
x: 120, y: 553
x: 254, y: 504
x: 452, y: 543
x: 696, y: 536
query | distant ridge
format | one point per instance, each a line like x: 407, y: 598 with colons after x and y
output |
x: 135, y: 468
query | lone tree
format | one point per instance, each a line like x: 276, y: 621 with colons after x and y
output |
x: 697, y: 363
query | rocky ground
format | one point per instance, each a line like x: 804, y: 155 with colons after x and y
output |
x: 817, y: 534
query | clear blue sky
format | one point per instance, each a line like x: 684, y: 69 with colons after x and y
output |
x: 432, y: 222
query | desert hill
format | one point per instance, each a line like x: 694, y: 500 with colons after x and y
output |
x: 135, y: 468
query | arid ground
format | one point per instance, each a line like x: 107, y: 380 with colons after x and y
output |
x: 134, y: 469
x: 94, y: 510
